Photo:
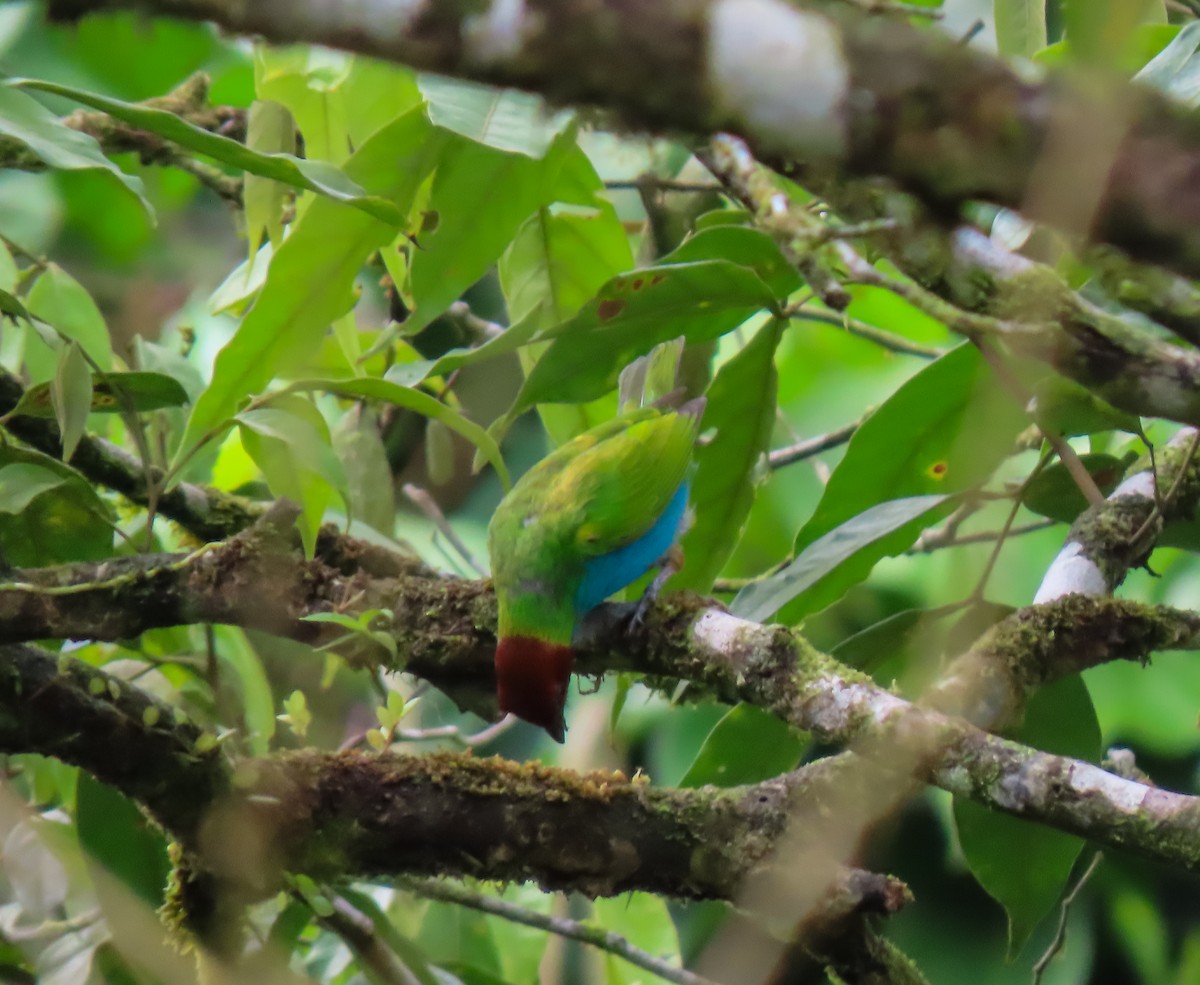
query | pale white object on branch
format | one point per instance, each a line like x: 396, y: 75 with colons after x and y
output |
x: 782, y: 71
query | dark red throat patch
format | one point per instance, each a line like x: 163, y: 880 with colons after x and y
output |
x: 531, y: 681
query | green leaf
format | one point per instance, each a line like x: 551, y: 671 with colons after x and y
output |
x: 1054, y: 493
x: 1100, y: 30
x: 119, y: 837
x: 62, y: 302
x: 1066, y: 408
x: 311, y: 174
x: 64, y: 522
x: 24, y: 119
x: 71, y: 395
x: 290, y: 443
x: 415, y: 400
x: 741, y: 414
x: 22, y: 482
x: 740, y: 244
x: 1025, y: 866
x: 1020, y: 26
x: 849, y: 551
x: 748, y: 745
x: 942, y: 432
x: 241, y: 662
x: 269, y: 130
x: 311, y: 279
x: 373, y: 93
x: 556, y: 263
x: 642, y: 919
x: 1176, y: 69
x: 111, y: 393
x: 369, y: 481
x: 480, y: 196
x: 632, y: 314
x: 503, y: 119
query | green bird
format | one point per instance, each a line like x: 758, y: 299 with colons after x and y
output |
x: 589, y: 519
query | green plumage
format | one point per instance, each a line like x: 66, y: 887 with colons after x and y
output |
x: 597, y: 493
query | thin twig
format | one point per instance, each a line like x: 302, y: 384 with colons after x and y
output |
x: 811, y: 446
x: 994, y: 554
x: 1156, y: 513
x: 1060, y: 935
x: 357, y: 931
x: 563, y: 927
x: 881, y: 337
x: 426, y: 504
x: 662, y: 184
x: 935, y: 543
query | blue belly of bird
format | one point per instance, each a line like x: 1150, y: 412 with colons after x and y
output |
x: 609, y: 573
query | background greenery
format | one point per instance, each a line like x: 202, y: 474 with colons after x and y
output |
x: 526, y: 214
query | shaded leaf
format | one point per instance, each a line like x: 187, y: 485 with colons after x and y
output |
x: 1025, y: 866
x: 66, y: 522
x: 1068, y: 409
x: 850, y: 551
x: 22, y: 482
x: 415, y: 400
x: 748, y: 745
x: 117, y: 836
x: 1054, y: 493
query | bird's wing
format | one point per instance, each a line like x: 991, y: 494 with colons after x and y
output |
x: 623, y: 483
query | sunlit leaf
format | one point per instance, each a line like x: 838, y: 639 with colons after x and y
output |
x: 71, y: 397
x: 415, y: 400
x: 1020, y: 26
x: 635, y: 312
x: 311, y: 279
x: 24, y: 119
x: 312, y: 174
x: 62, y: 302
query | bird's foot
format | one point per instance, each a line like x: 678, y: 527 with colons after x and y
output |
x: 671, y: 563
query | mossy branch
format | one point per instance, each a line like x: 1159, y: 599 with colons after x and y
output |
x: 444, y: 632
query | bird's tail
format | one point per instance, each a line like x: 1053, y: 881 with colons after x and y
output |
x: 532, y: 677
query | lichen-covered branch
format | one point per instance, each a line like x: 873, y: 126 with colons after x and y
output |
x: 444, y: 632
x: 879, y: 96
x: 976, y: 288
